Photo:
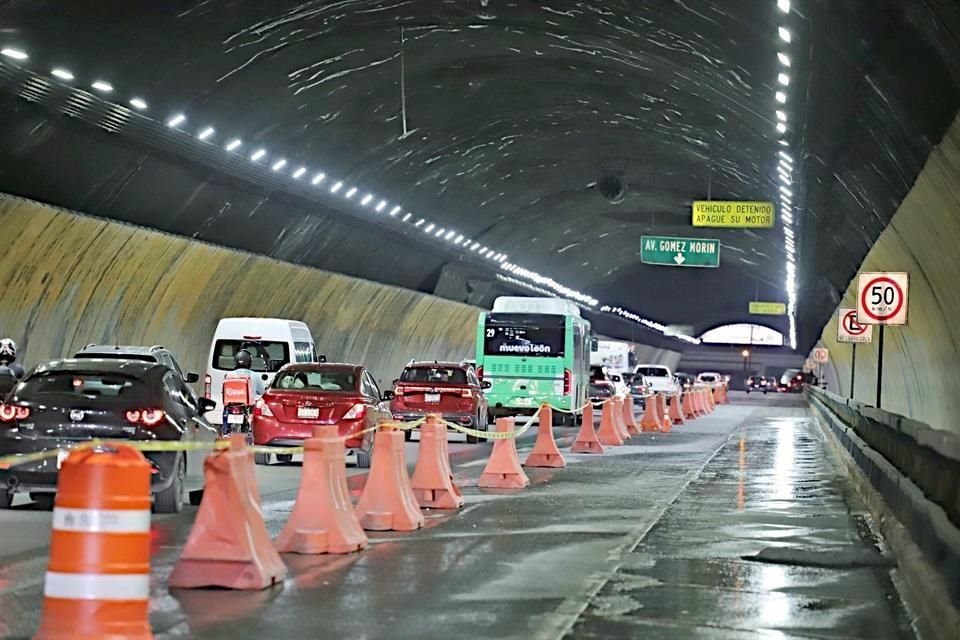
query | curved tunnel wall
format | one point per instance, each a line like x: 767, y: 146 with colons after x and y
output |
x: 67, y: 280
x: 921, y: 366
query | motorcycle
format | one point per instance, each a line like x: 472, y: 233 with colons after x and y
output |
x: 237, y: 406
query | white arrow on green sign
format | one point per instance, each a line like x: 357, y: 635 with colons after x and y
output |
x: 679, y: 252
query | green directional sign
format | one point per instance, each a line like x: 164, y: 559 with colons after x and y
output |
x: 679, y: 252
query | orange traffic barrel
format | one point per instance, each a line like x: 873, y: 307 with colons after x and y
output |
x: 97, y: 584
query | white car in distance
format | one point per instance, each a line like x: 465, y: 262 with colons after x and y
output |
x: 658, y: 377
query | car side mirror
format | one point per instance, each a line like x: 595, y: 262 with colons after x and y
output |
x: 206, y: 404
x: 193, y: 377
x: 594, y: 345
x: 388, y: 395
x: 486, y: 384
x: 321, y: 358
x: 395, y: 381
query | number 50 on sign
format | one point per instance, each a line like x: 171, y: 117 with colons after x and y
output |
x: 882, y: 298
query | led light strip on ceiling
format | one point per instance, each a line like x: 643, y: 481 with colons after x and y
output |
x: 451, y: 238
x: 786, y: 169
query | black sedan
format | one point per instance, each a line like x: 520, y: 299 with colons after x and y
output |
x: 761, y: 383
x: 66, y: 402
x: 600, y: 390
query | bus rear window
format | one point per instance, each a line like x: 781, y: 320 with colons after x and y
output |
x: 542, y: 342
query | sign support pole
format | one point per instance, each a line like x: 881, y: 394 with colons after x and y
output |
x: 879, y: 366
x: 853, y: 369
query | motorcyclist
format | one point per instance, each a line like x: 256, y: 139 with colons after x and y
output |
x: 242, y: 363
x: 8, y: 358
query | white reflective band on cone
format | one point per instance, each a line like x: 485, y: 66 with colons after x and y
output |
x: 92, y: 586
x: 101, y: 520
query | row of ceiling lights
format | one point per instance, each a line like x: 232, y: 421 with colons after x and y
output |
x: 279, y: 164
x: 785, y: 172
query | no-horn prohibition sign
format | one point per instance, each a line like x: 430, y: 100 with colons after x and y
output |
x: 849, y: 330
x: 882, y: 298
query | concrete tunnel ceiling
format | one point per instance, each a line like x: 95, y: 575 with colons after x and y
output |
x: 516, y: 113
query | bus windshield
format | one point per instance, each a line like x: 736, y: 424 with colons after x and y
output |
x: 527, y: 339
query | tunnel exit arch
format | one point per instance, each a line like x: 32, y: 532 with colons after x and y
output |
x: 743, y: 333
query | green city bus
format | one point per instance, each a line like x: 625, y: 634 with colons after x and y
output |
x: 531, y: 351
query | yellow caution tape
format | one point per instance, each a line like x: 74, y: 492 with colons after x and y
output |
x: 18, y: 459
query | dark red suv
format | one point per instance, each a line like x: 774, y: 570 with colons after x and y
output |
x: 449, y: 389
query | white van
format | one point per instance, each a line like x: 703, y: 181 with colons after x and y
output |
x: 272, y: 343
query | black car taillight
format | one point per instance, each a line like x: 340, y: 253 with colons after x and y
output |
x: 146, y: 417
x: 12, y: 412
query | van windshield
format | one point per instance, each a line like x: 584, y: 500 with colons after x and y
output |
x: 267, y: 357
x: 653, y: 372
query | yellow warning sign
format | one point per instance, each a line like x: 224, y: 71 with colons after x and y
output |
x: 721, y: 213
x: 768, y: 308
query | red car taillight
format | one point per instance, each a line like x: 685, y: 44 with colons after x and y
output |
x: 262, y: 409
x: 467, y: 393
x: 207, y: 386
x: 146, y: 417
x: 567, y: 382
x: 480, y: 373
x: 11, y: 412
x: 356, y: 412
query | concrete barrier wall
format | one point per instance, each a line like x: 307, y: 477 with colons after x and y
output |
x: 69, y: 280
x: 921, y: 369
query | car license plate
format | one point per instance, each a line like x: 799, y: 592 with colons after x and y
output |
x: 524, y: 402
x: 61, y: 456
x: 308, y: 413
x: 234, y: 418
x: 431, y: 397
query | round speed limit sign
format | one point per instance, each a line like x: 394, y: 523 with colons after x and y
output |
x: 882, y: 298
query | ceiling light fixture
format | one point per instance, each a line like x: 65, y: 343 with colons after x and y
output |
x: 407, y: 216
x: 784, y: 34
x: 176, y: 120
x: 781, y: 97
x: 366, y: 200
x: 396, y: 210
x: 100, y: 85
x: 279, y: 164
x: 206, y: 133
x: 336, y: 187
x: 352, y: 191
x: 15, y: 54
x: 381, y: 206
x: 234, y: 144
x: 299, y: 173
x: 784, y: 5
x: 317, y: 179
x: 63, y: 74
x: 781, y: 127
x: 138, y: 103
x: 784, y: 59
x: 783, y: 79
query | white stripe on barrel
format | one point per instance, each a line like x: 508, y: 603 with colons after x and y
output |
x: 101, y: 520
x: 91, y: 586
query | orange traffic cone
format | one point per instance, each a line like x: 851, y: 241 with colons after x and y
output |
x: 628, y: 418
x: 503, y: 471
x: 609, y: 435
x: 387, y: 502
x: 676, y: 413
x: 545, y: 452
x: 699, y: 405
x: 710, y: 405
x: 229, y: 545
x: 432, y: 480
x: 650, y: 420
x: 323, y: 519
x: 688, y: 411
x: 666, y: 425
x: 618, y: 421
x: 716, y: 395
x: 98, y: 577
x: 587, y: 441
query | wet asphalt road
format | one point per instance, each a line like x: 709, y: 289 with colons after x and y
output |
x: 657, y: 539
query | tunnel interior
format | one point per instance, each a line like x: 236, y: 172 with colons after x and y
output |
x: 551, y: 136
